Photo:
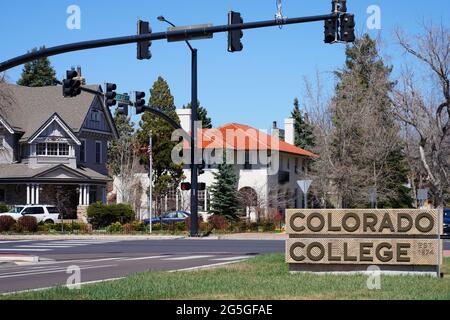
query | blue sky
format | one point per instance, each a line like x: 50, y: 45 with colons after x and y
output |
x: 254, y: 87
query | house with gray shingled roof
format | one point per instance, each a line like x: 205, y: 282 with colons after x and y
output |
x: 53, y: 150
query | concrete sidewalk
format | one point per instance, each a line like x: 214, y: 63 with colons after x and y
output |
x: 47, y: 237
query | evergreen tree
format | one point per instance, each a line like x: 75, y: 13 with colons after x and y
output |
x: 224, y: 191
x: 303, y: 131
x: 202, y: 116
x: 366, y: 149
x: 166, y: 174
x: 38, y: 73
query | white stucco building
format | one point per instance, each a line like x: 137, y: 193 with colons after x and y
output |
x: 267, y: 168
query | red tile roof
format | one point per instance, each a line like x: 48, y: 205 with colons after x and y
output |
x: 242, y: 137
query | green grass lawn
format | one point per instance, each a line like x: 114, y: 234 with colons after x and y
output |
x: 263, y: 277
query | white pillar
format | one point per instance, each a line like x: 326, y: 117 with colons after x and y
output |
x: 37, y: 193
x: 33, y: 190
x: 28, y: 194
x: 80, y: 195
x: 165, y: 202
x: 177, y: 207
x: 88, y: 189
x: 206, y: 201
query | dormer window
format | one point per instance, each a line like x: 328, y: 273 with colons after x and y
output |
x: 52, y: 149
x: 95, y: 115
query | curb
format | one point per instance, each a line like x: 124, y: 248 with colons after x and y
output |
x: 88, y: 237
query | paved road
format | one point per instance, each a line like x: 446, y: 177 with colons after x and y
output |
x: 100, y: 260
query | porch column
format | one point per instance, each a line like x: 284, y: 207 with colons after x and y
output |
x: 38, y: 187
x: 165, y: 202
x: 33, y: 190
x: 81, y: 195
x: 28, y: 194
x: 206, y: 201
x: 88, y: 189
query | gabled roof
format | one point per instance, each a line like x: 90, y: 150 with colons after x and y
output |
x: 28, y: 108
x: 242, y: 137
x: 7, y: 126
x: 55, y: 118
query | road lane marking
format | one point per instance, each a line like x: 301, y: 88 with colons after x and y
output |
x: 12, y: 250
x: 232, y: 258
x: 46, y: 246
x: 55, y: 271
x: 143, y: 258
x: 187, y: 258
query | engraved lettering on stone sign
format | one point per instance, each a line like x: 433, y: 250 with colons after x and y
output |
x: 363, y: 222
x: 362, y: 251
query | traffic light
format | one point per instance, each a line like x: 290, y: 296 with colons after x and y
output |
x: 110, y: 94
x: 331, y: 26
x: 71, y: 87
x: 143, y: 48
x: 342, y: 6
x: 348, y: 28
x: 201, y: 186
x: 235, y: 36
x: 122, y: 109
x: 139, y: 101
x: 186, y: 186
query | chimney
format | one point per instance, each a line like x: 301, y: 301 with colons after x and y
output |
x: 80, y: 76
x: 277, y: 131
x: 289, y: 135
x: 185, y: 118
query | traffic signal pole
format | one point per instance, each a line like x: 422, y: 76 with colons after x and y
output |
x: 186, y: 33
x: 194, y: 133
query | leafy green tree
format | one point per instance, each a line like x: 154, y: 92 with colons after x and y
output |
x: 38, y: 73
x: 202, y: 116
x: 303, y: 131
x: 166, y: 174
x: 224, y: 191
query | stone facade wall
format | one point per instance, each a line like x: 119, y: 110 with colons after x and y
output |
x: 82, y: 214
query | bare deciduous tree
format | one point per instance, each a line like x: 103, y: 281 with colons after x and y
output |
x: 423, y: 104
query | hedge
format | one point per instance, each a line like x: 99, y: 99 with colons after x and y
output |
x: 102, y: 216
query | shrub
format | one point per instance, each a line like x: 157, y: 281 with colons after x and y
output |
x: 219, y: 222
x: 156, y: 227
x: 253, y: 226
x: 137, y: 226
x: 27, y: 224
x: 116, y: 227
x: 6, y: 223
x: 3, y: 208
x: 101, y: 216
x: 268, y: 226
x: 187, y: 222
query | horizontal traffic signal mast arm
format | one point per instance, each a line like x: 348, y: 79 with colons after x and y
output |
x: 163, y: 116
x: 85, y: 45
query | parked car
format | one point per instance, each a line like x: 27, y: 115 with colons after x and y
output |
x: 169, y: 217
x: 42, y: 213
x: 447, y: 221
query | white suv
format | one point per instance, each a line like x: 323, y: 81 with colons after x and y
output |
x: 42, y: 213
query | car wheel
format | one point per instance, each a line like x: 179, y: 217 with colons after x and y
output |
x: 49, y: 222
